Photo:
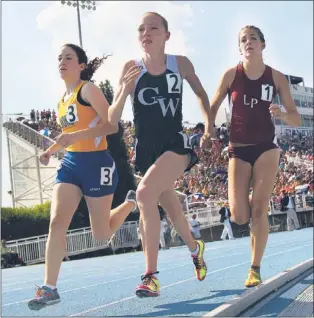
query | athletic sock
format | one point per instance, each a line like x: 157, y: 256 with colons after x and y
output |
x: 256, y: 268
x: 50, y: 286
x: 155, y: 274
x: 195, y: 252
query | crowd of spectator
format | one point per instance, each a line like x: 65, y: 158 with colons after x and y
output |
x: 208, y: 180
x: 44, y: 121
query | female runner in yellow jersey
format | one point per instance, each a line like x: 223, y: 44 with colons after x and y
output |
x: 87, y: 168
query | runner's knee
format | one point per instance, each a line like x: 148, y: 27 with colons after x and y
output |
x: 240, y: 219
x: 58, y: 223
x: 240, y: 215
x: 145, y: 194
x: 258, y: 211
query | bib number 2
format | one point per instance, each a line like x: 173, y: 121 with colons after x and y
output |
x: 174, y: 83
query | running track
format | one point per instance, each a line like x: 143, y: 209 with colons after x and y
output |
x: 104, y: 286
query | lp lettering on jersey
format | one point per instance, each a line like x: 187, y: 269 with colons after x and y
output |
x: 251, y: 102
x: 266, y: 95
x: 172, y: 103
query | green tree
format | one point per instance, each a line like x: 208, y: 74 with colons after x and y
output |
x: 118, y: 150
x: 107, y: 90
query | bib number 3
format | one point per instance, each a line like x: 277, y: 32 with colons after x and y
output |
x: 72, y: 116
x: 106, y: 174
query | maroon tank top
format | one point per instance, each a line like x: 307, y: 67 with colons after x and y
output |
x: 249, y: 101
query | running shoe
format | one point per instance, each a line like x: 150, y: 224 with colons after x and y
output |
x: 253, y: 279
x: 131, y: 197
x: 149, y: 287
x: 45, y: 296
x: 199, y: 263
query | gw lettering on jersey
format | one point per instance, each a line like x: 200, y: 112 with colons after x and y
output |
x: 159, y: 100
x: 149, y: 96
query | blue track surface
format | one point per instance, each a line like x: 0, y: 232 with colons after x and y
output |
x: 104, y: 286
x: 274, y: 304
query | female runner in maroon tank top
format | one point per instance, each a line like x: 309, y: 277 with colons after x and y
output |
x: 253, y: 156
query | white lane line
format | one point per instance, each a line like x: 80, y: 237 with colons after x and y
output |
x: 106, y: 282
x: 138, y: 262
x: 180, y: 282
x: 120, y: 270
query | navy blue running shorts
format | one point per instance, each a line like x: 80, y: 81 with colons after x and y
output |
x: 94, y: 172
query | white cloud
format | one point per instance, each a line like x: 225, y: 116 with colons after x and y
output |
x: 112, y: 29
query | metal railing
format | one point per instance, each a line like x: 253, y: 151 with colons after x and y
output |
x: 208, y: 217
x: 32, y: 136
x: 126, y: 236
x: 78, y: 241
x: 303, y: 202
x: 32, y: 249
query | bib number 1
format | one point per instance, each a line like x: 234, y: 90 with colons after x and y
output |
x: 267, y: 93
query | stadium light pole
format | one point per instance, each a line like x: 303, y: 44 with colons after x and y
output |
x: 88, y: 5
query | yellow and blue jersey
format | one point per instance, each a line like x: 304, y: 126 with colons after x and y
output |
x: 75, y: 114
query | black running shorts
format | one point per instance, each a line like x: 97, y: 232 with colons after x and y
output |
x: 148, y: 150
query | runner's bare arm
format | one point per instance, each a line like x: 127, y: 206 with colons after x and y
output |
x: 187, y: 72
x: 221, y: 92
x: 93, y: 95
x: 291, y: 116
x: 116, y: 109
